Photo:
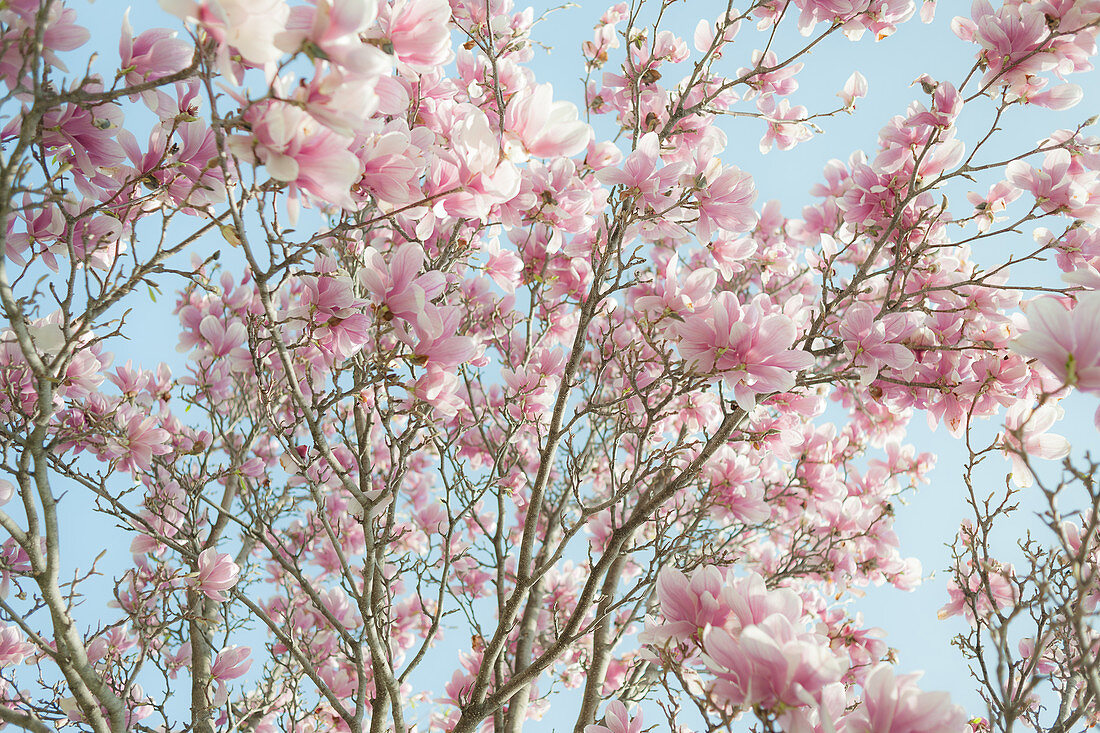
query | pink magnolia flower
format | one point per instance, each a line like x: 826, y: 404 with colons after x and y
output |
x: 546, y: 128
x: 780, y: 82
x: 771, y: 664
x: 154, y: 54
x: 688, y: 605
x: 984, y: 595
x: 44, y: 224
x: 397, y: 285
x: 250, y: 26
x: 418, y: 32
x: 785, y: 124
x: 1037, y: 441
x: 1009, y: 37
x: 330, y: 312
x: 222, y: 338
x: 434, y: 338
x: 639, y: 174
x: 502, y: 265
x: 1065, y: 341
x: 139, y: 439
x: 988, y: 208
x: 216, y: 574
x: 617, y: 720
x: 61, y: 34
x: 486, y: 177
x: 231, y: 663
x: 896, y: 705
x: 84, y: 136
x: 854, y: 88
x: 724, y: 201
x: 1055, y: 186
x: 13, y: 646
x: 873, y: 343
x: 333, y: 28
x: 674, y: 294
x: 748, y: 347
x: 295, y: 148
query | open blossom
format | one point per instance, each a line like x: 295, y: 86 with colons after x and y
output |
x: 139, y: 439
x: 640, y: 174
x: 333, y: 27
x: 546, y: 128
x: 1056, y: 186
x: 688, y: 605
x: 765, y: 655
x: 785, y: 124
x: 397, y: 286
x: 873, y: 342
x: 417, y: 31
x: 297, y: 149
x: 1066, y: 341
x: 217, y: 573
x: 1009, y: 38
x: 617, y: 720
x: 250, y: 26
x: 332, y: 315
x: 13, y: 646
x: 988, y: 207
x: 1036, y: 440
x: 153, y: 54
x: 725, y: 202
x: 986, y: 591
x: 896, y: 705
x: 749, y: 348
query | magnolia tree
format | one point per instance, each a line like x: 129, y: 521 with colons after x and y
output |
x: 471, y: 381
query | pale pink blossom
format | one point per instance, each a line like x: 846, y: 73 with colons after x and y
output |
x: 785, y: 124
x: 873, y: 341
x: 154, y: 54
x: 331, y: 28
x: 1033, y: 426
x: 688, y: 605
x: 397, y: 286
x: 771, y: 664
x: 724, y: 201
x: 418, y: 32
x: 1066, y: 341
x: 502, y: 265
x: 13, y: 646
x: 987, y: 591
x: 250, y: 26
x: 854, y: 88
x: 434, y: 338
x: 232, y: 662
x: 988, y: 208
x: 1055, y: 186
x: 617, y: 719
x: 748, y: 347
x: 297, y: 149
x: 216, y: 574
x: 545, y: 128
x: 896, y: 705
x: 640, y: 174
x: 137, y: 441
